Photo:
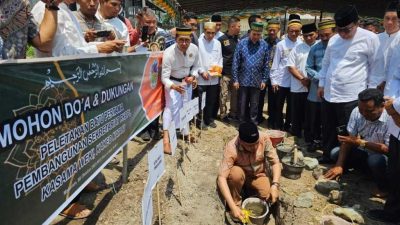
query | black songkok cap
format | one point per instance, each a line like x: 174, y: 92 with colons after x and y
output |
x: 185, y: 31
x: 294, y: 17
x: 248, y: 132
x: 308, y: 28
x: 216, y: 18
x: 346, y: 15
x: 393, y: 6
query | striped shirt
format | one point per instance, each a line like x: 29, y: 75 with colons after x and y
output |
x: 372, y: 131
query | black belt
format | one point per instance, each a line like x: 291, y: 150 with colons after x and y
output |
x: 176, y: 79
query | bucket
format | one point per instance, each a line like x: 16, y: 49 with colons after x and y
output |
x: 292, y: 171
x: 257, y: 206
x: 276, y: 136
x: 283, y: 149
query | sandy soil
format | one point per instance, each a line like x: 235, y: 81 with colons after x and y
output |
x: 197, y: 202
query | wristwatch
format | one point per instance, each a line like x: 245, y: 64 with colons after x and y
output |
x: 276, y: 184
x: 363, y: 143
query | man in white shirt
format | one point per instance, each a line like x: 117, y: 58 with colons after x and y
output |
x: 280, y: 76
x: 108, y: 14
x: 389, y: 40
x: 391, y: 210
x: 350, y: 65
x: 217, y: 19
x: 299, y: 82
x: 90, y: 24
x: 180, y: 68
x: 210, y: 56
x: 69, y: 39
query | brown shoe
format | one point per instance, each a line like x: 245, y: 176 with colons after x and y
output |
x: 376, y: 192
x: 76, y: 211
x: 93, y: 187
x: 192, y: 138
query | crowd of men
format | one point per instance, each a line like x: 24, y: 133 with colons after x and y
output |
x: 340, y: 83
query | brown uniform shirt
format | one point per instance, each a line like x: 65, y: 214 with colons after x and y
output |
x: 253, y: 163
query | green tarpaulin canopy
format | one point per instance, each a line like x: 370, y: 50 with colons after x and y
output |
x: 366, y: 7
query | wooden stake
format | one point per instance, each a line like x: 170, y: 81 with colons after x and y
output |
x: 295, y: 155
x: 201, y: 124
x: 158, y: 204
x: 189, y: 143
x: 183, y: 149
x: 125, y: 164
x: 195, y: 129
x: 179, y: 186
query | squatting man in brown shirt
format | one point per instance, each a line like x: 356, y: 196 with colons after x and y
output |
x: 246, y: 158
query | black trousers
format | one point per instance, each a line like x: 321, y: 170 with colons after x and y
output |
x: 216, y: 108
x: 152, y: 128
x: 298, y: 112
x: 283, y: 95
x: 212, y: 96
x: 312, y: 129
x: 248, y: 97
x: 392, y: 205
x: 272, y: 109
x: 261, y: 104
x: 333, y: 116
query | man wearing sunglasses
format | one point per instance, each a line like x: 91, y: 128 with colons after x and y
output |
x: 350, y: 65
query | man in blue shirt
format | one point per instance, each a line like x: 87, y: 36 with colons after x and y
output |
x: 326, y: 30
x: 250, y: 71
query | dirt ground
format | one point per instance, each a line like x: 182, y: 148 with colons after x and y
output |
x: 198, y: 203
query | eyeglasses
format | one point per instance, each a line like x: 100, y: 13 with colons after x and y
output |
x: 294, y: 31
x: 345, y: 29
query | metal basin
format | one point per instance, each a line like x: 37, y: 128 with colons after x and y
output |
x: 292, y: 171
x: 283, y: 149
